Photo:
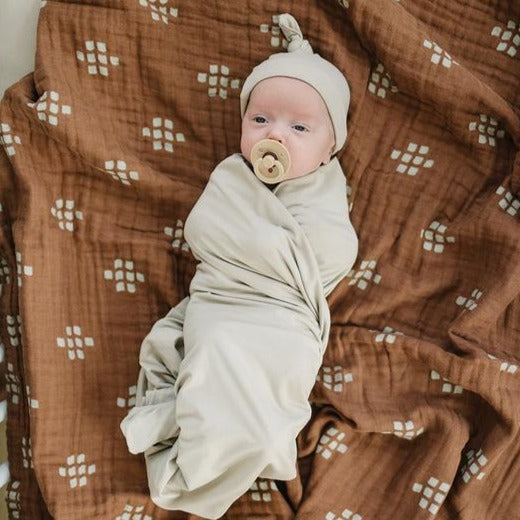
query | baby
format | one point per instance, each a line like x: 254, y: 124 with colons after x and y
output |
x: 291, y: 112
x: 226, y: 375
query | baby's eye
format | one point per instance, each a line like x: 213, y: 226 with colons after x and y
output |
x: 259, y: 119
x: 300, y: 128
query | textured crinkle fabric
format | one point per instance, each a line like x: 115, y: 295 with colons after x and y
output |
x: 107, y: 146
x: 226, y: 405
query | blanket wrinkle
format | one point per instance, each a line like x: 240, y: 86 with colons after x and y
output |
x: 25, y: 96
x: 438, y: 90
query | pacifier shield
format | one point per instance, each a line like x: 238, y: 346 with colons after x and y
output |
x: 270, y: 160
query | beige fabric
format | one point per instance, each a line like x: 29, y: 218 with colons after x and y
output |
x: 226, y: 375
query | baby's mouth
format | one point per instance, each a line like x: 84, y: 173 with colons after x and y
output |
x: 271, y: 161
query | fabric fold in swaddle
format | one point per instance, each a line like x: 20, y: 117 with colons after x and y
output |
x: 226, y: 375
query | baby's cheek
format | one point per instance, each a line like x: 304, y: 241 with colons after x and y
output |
x: 245, y: 146
x: 248, y: 139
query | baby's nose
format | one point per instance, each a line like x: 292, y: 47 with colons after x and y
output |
x: 276, y: 134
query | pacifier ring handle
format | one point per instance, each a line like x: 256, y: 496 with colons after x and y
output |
x: 268, y: 160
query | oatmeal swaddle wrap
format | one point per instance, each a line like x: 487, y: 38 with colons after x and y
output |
x: 226, y: 375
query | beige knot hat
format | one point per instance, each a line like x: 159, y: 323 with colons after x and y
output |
x: 300, y: 62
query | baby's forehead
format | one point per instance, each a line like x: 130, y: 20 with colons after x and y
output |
x: 280, y: 85
x: 290, y: 93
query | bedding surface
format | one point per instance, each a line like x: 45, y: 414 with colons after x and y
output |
x: 106, y: 148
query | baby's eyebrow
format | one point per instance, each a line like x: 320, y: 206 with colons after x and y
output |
x: 306, y: 117
x: 255, y: 109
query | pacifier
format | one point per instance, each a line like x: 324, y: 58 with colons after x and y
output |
x: 270, y: 160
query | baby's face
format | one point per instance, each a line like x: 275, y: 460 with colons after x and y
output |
x: 292, y: 112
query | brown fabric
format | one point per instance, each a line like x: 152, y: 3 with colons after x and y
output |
x: 417, y: 402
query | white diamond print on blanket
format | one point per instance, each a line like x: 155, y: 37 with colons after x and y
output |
x: 333, y: 378
x: 487, y: 128
x: 433, y: 494
x: 14, y: 329
x: 388, y: 335
x: 32, y: 403
x: 124, y: 275
x: 64, y: 214
x: 160, y: 10
x: 123, y: 402
x: 331, y: 442
x: 133, y: 513
x: 380, y: 82
x: 439, y: 55
x: 508, y: 202
x: 469, y: 303
x: 12, y: 384
x: 5, y: 278
x: 77, y: 471
x: 75, y: 342
x: 266, y: 265
x: 509, y: 38
x: 365, y: 272
x: 22, y: 269
x: 49, y: 109
x: 97, y: 58
x: 473, y: 465
x: 434, y: 237
x: 218, y: 80
x: 416, y: 156
x: 27, y: 453
x: 262, y: 489
x: 13, y: 498
x: 162, y: 134
x: 177, y: 234
x: 276, y: 39
x: 118, y: 171
x: 346, y: 514
x: 8, y: 140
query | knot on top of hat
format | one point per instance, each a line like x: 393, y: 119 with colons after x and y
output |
x: 293, y: 33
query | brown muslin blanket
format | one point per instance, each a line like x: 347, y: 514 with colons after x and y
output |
x: 109, y: 143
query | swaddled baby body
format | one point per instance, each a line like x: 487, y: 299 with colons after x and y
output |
x: 226, y: 375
